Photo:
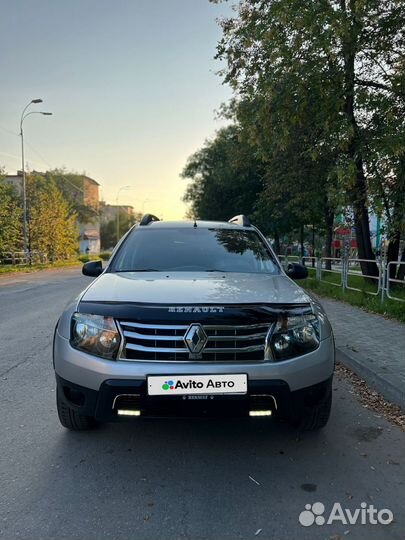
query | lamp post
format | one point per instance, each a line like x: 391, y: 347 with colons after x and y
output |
x: 23, y: 117
x: 122, y: 188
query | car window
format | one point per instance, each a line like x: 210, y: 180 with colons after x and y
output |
x: 194, y: 249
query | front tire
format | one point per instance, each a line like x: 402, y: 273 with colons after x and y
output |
x: 71, y: 419
x: 317, y: 417
x: 312, y: 417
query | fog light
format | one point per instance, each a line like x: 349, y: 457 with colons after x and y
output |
x: 260, y: 413
x: 128, y: 412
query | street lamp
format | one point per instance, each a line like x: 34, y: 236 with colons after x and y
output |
x: 122, y: 188
x: 23, y: 117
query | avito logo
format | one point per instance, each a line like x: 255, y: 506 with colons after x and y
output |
x: 366, y: 514
x: 190, y: 385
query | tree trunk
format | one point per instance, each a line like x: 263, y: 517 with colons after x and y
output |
x: 358, y: 193
x: 393, y: 253
x: 313, y: 246
x: 329, y: 219
x: 302, y: 243
x: 277, y: 242
x: 362, y: 224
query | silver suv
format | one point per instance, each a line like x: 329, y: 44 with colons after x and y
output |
x: 193, y: 318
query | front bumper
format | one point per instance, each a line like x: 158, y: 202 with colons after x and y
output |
x: 91, y: 372
x: 115, y: 396
x: 99, y: 388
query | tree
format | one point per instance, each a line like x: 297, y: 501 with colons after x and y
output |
x: 71, y: 186
x: 108, y: 230
x: 52, y: 223
x: 345, y: 53
x: 10, y: 218
x: 225, y: 176
x: 298, y: 189
x: 385, y: 147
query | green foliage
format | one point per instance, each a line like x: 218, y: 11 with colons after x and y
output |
x: 319, y: 90
x: 87, y: 258
x: 52, y: 223
x: 108, y: 231
x: 105, y: 255
x: 71, y: 186
x: 5, y: 269
x: 10, y: 219
x: 225, y: 177
x: 54, y: 206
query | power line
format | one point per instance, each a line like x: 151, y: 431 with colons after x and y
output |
x: 8, y: 131
x: 53, y: 168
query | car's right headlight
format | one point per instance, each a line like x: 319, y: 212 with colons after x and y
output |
x: 95, y: 334
x: 292, y: 337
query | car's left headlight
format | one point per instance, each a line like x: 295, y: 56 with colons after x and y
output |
x: 95, y: 334
x: 293, y: 336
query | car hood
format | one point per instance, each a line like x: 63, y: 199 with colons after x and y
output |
x: 198, y: 288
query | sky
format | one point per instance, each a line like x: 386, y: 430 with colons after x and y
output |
x: 132, y: 86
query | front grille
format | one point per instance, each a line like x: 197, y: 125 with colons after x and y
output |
x: 165, y: 342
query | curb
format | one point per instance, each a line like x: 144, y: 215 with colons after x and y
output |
x: 358, y: 364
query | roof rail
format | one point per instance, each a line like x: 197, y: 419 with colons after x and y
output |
x: 148, y: 218
x: 240, y: 220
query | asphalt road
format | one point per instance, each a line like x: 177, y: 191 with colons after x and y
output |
x: 173, y: 479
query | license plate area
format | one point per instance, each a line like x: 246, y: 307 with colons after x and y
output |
x: 183, y: 385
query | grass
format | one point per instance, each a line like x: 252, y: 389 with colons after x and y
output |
x: 11, y: 268
x: 390, y: 308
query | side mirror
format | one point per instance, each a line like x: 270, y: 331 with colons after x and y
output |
x: 296, y: 271
x: 92, y: 268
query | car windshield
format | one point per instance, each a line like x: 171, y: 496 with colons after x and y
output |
x: 195, y: 249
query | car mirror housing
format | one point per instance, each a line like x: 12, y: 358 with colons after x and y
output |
x: 92, y: 268
x: 296, y: 271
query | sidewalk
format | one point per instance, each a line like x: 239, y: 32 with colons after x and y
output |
x: 371, y: 346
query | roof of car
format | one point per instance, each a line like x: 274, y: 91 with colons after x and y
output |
x: 191, y: 224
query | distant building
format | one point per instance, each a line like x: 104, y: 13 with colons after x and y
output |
x: 90, y: 232
x: 108, y: 212
x: 15, y: 180
x: 91, y: 192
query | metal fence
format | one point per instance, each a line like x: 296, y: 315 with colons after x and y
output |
x: 346, y: 273
x: 17, y: 258
x: 21, y: 257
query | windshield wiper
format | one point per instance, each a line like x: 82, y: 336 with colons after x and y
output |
x: 216, y: 270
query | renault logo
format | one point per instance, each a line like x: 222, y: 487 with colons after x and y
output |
x: 195, y: 338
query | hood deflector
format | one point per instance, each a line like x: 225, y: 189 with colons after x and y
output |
x: 187, y: 313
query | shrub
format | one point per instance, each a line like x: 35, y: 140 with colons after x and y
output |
x: 105, y: 255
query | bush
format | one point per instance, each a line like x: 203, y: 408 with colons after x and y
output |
x: 105, y: 255
x: 84, y: 258
x: 87, y: 258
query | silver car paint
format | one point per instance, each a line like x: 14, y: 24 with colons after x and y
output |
x: 90, y: 371
x: 195, y: 288
x: 183, y: 288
